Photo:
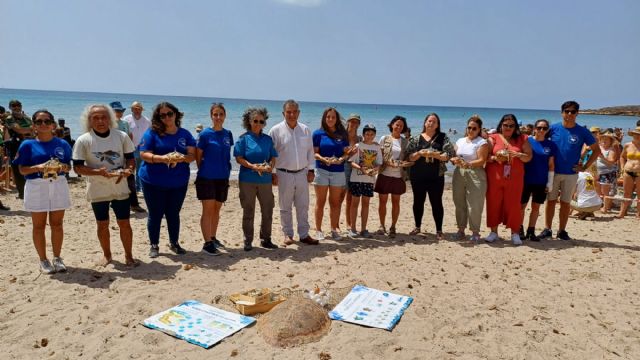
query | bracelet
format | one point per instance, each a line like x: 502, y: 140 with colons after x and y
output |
x: 152, y: 159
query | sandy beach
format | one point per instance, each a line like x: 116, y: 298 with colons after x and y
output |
x: 555, y: 299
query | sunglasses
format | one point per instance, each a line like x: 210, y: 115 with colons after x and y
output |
x: 46, y: 122
x: 261, y: 122
x: 167, y: 114
x: 570, y: 112
x: 542, y: 128
x: 509, y: 126
x: 472, y: 128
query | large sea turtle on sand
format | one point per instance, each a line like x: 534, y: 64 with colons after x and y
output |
x: 294, y: 322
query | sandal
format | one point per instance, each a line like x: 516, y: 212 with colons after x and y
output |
x: 475, y: 238
x: 439, y: 236
x: 415, y: 231
x: 460, y: 235
x: 381, y: 231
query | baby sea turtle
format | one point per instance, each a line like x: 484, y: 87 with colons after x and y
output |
x: 52, y: 168
x: 294, y: 322
x: 263, y: 167
x: 174, y: 158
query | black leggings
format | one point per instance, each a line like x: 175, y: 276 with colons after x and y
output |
x: 433, y: 187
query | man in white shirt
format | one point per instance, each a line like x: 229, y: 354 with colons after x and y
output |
x: 294, y: 172
x: 138, y: 124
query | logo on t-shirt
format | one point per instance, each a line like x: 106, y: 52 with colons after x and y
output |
x: 182, y: 142
x: 227, y: 141
x: 547, y: 150
x: 109, y: 156
x: 573, y: 139
x: 59, y: 153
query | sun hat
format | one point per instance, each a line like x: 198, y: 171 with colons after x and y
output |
x: 353, y: 117
x: 635, y: 131
x: 594, y: 129
x: 117, y: 106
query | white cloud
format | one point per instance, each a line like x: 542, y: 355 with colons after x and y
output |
x: 303, y: 3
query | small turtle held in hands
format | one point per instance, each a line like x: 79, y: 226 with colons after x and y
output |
x: 502, y: 155
x: 334, y: 160
x: 52, y: 168
x: 263, y: 167
x: 174, y: 158
x: 400, y: 163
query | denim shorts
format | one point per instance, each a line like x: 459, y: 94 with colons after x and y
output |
x: 328, y: 178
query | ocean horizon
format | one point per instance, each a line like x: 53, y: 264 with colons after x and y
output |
x: 70, y: 104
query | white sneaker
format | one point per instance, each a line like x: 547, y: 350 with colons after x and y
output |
x: 515, y: 239
x: 46, y: 267
x: 319, y: 235
x: 58, y: 265
x: 352, y: 234
x: 492, y: 237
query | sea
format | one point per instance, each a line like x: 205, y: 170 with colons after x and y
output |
x: 70, y: 104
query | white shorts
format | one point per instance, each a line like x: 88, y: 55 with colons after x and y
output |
x: 44, y: 195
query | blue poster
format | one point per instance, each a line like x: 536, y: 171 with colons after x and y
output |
x: 371, y: 307
x: 198, y: 323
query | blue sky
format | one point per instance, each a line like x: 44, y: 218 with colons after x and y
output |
x: 494, y: 53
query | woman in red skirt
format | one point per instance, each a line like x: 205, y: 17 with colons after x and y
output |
x: 509, y: 150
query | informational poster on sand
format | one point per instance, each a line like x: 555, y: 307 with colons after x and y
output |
x: 371, y: 307
x: 198, y: 323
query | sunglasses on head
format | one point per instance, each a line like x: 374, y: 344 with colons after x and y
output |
x: 261, y: 122
x: 46, y: 122
x: 570, y: 112
x: 167, y: 114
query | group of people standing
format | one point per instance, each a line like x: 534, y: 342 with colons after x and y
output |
x: 506, y: 168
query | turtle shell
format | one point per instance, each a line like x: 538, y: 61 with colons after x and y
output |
x: 294, y: 322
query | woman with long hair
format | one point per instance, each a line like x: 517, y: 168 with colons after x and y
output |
x: 329, y: 144
x: 166, y: 150
x: 509, y: 151
x: 44, y: 161
x: 430, y: 150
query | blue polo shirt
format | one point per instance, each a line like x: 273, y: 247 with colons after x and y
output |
x: 536, y: 170
x: 569, y: 143
x: 255, y: 149
x: 216, y: 154
x: 329, y: 147
x: 160, y: 174
x: 34, y: 152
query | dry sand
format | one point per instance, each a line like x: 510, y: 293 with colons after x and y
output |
x: 554, y: 299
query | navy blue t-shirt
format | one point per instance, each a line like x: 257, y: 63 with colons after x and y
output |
x: 216, y: 154
x: 569, y: 142
x: 536, y: 171
x: 34, y: 152
x: 160, y: 174
x: 329, y: 147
